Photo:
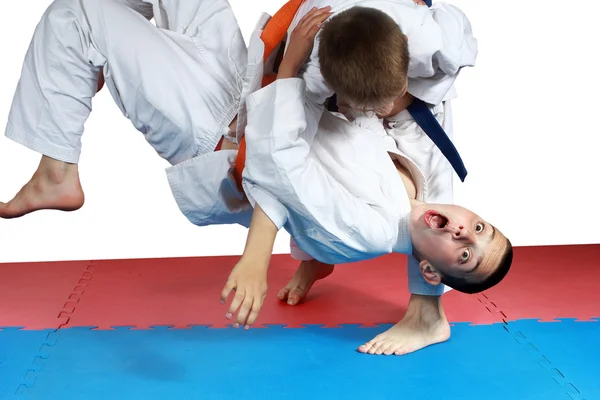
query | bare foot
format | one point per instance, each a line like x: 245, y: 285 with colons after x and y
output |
x: 55, y: 185
x: 423, y: 325
x: 306, y: 275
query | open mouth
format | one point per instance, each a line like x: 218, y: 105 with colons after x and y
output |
x: 435, y: 220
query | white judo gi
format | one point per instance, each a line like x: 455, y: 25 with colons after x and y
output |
x: 441, y: 43
x: 333, y: 187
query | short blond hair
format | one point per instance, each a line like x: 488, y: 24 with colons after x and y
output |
x: 363, y: 56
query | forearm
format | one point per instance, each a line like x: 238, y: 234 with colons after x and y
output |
x: 261, y: 238
x: 287, y: 70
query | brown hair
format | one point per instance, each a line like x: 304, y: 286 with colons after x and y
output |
x: 363, y: 56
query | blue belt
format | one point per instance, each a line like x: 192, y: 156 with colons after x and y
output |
x: 426, y: 120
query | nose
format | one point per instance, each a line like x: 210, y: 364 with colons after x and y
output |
x: 461, y: 233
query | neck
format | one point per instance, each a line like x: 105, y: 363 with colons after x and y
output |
x: 415, y: 203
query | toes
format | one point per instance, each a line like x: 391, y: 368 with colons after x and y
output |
x: 375, y: 348
x: 380, y: 349
x: 291, y: 296
x: 400, y: 352
x: 295, y: 296
x: 382, y: 346
x: 365, y: 347
x: 389, y: 349
x: 8, y: 212
x: 283, y: 294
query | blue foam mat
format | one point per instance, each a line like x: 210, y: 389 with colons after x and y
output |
x: 569, y: 349
x: 479, y: 362
x: 21, y: 353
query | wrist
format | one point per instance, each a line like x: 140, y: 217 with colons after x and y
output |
x: 287, y: 70
x: 256, y: 260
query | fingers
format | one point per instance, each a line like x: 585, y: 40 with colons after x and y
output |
x: 256, y: 306
x: 226, y: 290
x: 314, y: 30
x: 249, y: 310
x: 239, y: 297
x: 312, y: 21
x: 247, y: 303
x: 243, y: 312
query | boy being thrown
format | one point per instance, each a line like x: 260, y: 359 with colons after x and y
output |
x: 339, y: 195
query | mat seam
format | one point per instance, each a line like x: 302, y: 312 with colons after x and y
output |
x: 543, y: 361
x: 49, y: 342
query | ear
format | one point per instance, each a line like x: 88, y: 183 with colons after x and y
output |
x: 406, y: 37
x: 429, y: 272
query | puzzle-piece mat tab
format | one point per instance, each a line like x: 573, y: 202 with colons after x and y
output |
x: 479, y: 362
x: 186, y: 291
x: 22, y: 354
x: 568, y: 349
x: 41, y: 295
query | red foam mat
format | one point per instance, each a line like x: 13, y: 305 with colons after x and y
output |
x: 183, y: 292
x: 39, y: 295
x: 550, y: 283
x: 545, y: 283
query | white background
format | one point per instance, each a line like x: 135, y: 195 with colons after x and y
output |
x: 525, y: 124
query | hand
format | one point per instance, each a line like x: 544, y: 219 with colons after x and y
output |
x: 249, y: 281
x: 302, y: 39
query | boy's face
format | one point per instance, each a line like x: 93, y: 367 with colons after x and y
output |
x: 385, y: 109
x: 455, y: 241
x: 344, y: 106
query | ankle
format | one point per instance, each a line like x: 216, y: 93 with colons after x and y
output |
x: 55, y: 171
x: 425, y: 309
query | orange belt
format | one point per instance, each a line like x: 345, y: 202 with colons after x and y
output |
x: 272, y: 35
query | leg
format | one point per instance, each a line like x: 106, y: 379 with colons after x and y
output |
x: 425, y: 322
x: 309, y: 271
x: 180, y: 117
x: 305, y: 277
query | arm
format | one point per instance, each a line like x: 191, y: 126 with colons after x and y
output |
x: 249, y: 277
x: 441, y: 46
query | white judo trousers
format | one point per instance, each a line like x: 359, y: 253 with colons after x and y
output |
x: 178, y: 82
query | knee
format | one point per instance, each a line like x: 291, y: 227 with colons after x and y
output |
x: 72, y: 23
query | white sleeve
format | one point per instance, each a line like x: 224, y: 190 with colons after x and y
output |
x: 279, y: 175
x: 439, y: 48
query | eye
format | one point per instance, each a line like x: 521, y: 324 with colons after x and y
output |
x: 479, y: 228
x: 464, y: 257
